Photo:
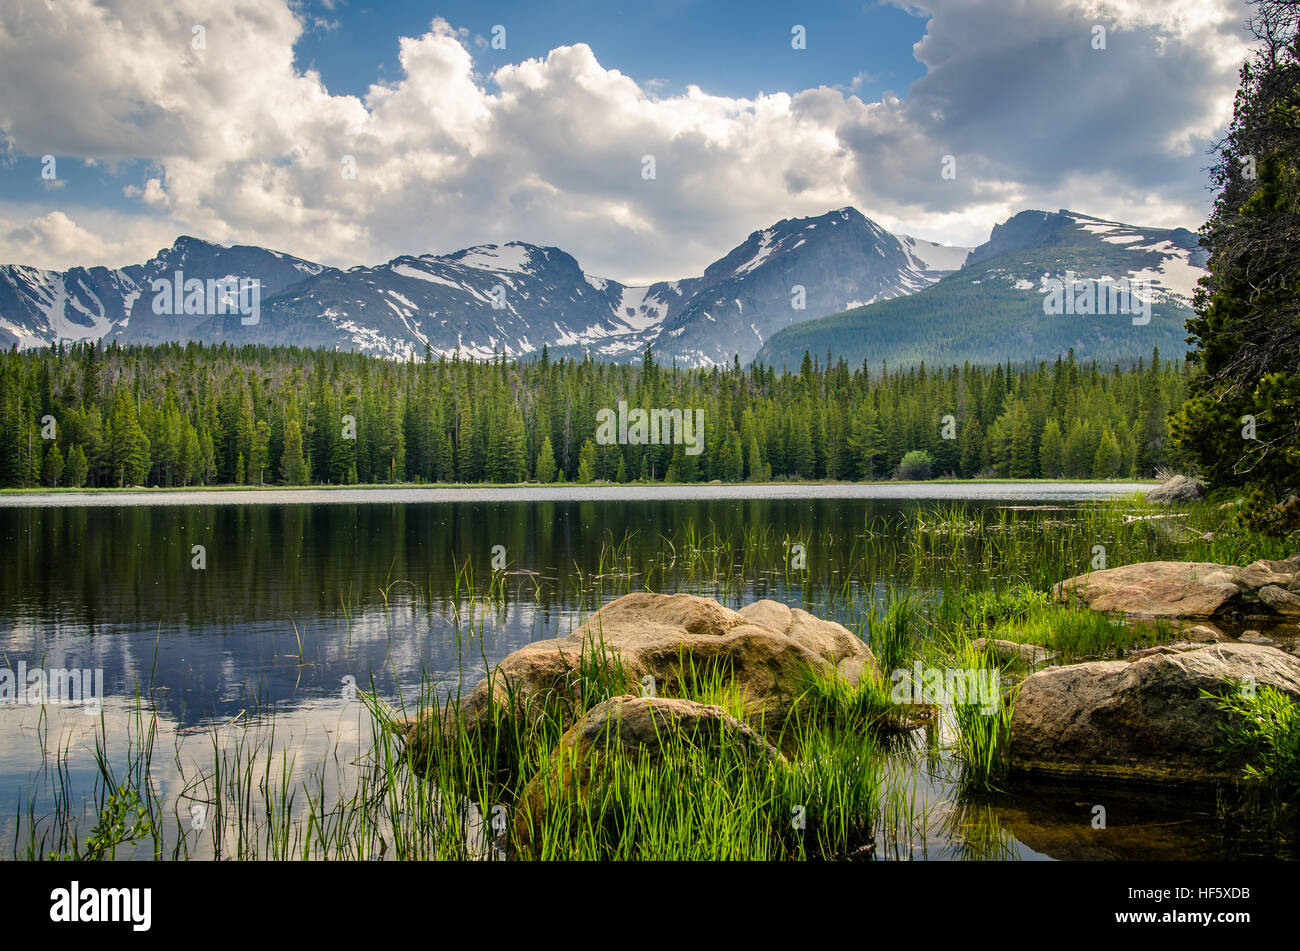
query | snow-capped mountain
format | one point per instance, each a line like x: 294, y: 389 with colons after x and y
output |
x: 992, y: 308
x: 38, y: 307
x: 511, y: 299
x: 793, y: 271
x: 515, y: 298
x: 1170, y: 260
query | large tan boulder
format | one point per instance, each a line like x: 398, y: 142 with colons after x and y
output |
x: 1142, y: 718
x: 1189, y: 589
x: 625, y: 728
x: 1156, y: 588
x: 763, y: 649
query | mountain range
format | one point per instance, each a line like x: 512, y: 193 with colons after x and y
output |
x: 992, y: 310
x: 837, y: 281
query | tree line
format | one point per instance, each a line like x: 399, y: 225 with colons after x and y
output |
x: 173, y: 415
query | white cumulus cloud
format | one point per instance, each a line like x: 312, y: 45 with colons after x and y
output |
x: 244, y: 146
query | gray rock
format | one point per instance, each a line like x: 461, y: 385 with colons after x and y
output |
x: 1180, y: 488
x: 1280, y: 599
x: 1142, y: 718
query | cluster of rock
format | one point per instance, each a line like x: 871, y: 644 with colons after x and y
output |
x: 1147, y: 717
x: 651, y: 642
x: 765, y: 649
x: 1182, y: 589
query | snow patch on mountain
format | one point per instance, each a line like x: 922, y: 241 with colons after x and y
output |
x: 1175, y: 276
x: 513, y: 257
x: 406, y: 270
x: 764, y: 249
x: 931, y: 256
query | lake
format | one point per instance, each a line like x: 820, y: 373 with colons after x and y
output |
x: 271, y: 607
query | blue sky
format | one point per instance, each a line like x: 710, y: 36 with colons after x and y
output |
x: 729, y: 50
x: 349, y: 133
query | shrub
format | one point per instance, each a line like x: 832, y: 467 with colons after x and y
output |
x: 917, y: 464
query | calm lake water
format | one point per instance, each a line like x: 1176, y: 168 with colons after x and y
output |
x: 299, y: 596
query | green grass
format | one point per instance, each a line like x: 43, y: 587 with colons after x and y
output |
x: 893, y: 635
x: 983, y: 747
x: 1263, y: 734
x: 989, y: 606
x: 865, y: 707
x: 688, y: 803
x: 1073, y: 633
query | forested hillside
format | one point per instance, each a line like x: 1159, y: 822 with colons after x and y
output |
x: 992, y: 309
x: 204, y: 415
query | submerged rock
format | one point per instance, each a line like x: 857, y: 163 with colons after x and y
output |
x: 1189, y: 589
x: 1180, y: 488
x: 1142, y: 718
x: 1010, y: 651
x: 1056, y: 820
x: 1204, y: 634
x: 659, y: 641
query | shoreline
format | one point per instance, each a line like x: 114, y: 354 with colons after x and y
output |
x: 934, y: 489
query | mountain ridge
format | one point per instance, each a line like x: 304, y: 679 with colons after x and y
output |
x: 516, y: 298
x: 511, y: 298
x: 993, y: 308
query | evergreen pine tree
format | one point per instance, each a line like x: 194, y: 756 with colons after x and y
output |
x: 1051, y: 451
x: 587, y: 462
x: 546, y: 462
x: 293, y: 466
x: 52, y: 470
x: 77, y: 467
